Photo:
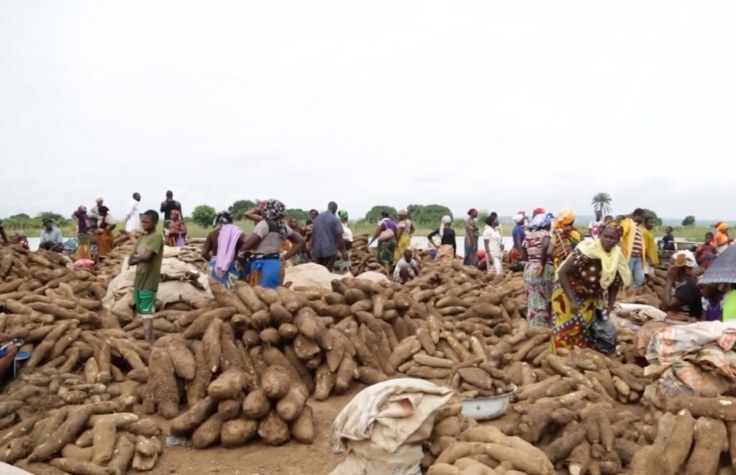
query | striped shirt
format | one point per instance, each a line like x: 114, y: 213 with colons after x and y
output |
x: 636, y: 250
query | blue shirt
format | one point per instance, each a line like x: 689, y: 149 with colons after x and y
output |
x: 51, y: 236
x: 325, y: 230
x: 518, y: 231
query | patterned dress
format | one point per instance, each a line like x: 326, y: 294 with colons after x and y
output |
x: 569, y: 330
x: 538, y: 283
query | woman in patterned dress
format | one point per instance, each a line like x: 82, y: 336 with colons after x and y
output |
x: 564, y: 237
x: 588, y: 280
x: 538, y: 271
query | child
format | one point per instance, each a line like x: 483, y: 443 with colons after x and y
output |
x: 147, y: 256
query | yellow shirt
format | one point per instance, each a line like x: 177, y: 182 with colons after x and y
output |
x: 648, y: 246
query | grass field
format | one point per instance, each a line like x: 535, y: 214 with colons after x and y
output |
x: 690, y: 233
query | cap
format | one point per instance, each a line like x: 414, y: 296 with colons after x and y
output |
x: 683, y: 259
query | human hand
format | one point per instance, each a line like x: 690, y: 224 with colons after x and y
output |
x: 22, y: 333
x: 538, y: 271
x: 574, y: 307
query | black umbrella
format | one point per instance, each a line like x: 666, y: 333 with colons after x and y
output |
x: 722, y: 270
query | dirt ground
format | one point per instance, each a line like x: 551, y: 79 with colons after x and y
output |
x: 259, y: 459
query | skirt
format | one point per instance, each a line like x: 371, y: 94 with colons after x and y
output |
x: 569, y: 330
x: 232, y: 274
x: 104, y: 243
x: 445, y: 253
x: 401, y: 246
x: 385, y: 251
x: 83, y: 246
x: 471, y: 252
x: 265, y: 272
x: 342, y: 264
x: 539, y: 292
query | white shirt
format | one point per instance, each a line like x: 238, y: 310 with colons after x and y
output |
x: 410, y: 266
x: 347, y: 234
x: 132, y: 218
x: 494, y: 238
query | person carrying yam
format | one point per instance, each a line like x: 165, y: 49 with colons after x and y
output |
x: 221, y: 248
x: 147, y: 256
x: 385, y: 234
x: 587, y: 281
x: 104, y: 232
x: 447, y: 249
x: 266, y: 265
x: 564, y: 237
x: 404, y: 231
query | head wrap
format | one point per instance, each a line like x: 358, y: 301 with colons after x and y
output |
x: 683, y: 259
x: 538, y: 221
x: 274, y: 211
x: 612, y: 262
x: 565, y: 217
x: 446, y: 220
x: 518, y: 218
x: 403, y: 212
x: 538, y: 211
x: 343, y: 214
x: 722, y: 227
x: 223, y: 217
x: 82, y: 209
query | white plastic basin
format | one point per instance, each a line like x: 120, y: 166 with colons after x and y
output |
x: 485, y: 408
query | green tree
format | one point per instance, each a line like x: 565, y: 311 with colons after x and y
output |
x: 428, y: 214
x: 55, y: 217
x: 204, y: 215
x: 298, y: 213
x: 688, y: 221
x: 651, y: 214
x: 602, y: 202
x: 374, y: 214
x: 239, y: 207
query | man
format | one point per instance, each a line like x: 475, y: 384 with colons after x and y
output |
x: 2, y: 234
x: 634, y: 246
x: 406, y: 269
x: 681, y: 292
x: 595, y: 226
x: 169, y: 204
x: 651, y: 244
x: 133, y: 217
x: 51, y: 238
x: 327, y: 237
x: 147, y: 256
x: 94, y: 212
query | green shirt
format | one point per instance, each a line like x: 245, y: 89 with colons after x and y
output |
x: 148, y: 274
x: 729, y: 306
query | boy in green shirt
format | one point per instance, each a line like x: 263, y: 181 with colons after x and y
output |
x: 148, y: 254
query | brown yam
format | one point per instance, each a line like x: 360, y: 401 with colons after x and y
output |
x: 433, y: 361
x: 16, y: 449
x: 272, y: 430
x: 305, y: 348
x: 337, y: 350
x: 146, y: 427
x: 405, y: 350
x: 212, y: 346
x: 182, y: 358
x: 324, y: 382
x: 78, y: 467
x: 231, y: 356
x: 530, y: 462
x: 309, y: 326
x: 226, y: 298
x: 290, y: 406
x: 103, y: 445
x: 477, y: 377
x: 443, y: 469
x: 302, y: 429
x: 197, y: 388
x: 275, y: 381
x: 238, y: 432
x: 256, y: 404
x: 731, y: 442
x: 368, y: 375
x: 63, y: 434
x: 123, y: 454
x: 288, y: 331
x: 345, y: 374
x: 248, y: 296
x: 199, y: 326
x: 710, y: 438
x: 270, y: 336
x: 723, y: 408
x: 163, y: 383
x: 44, y: 348
x: 679, y: 443
x: 229, y: 385
x: 189, y: 420
x: 73, y: 451
x: 208, y: 433
x: 274, y: 357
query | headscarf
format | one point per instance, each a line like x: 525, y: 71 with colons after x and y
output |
x: 683, y: 258
x: 446, y: 219
x: 343, y: 214
x: 222, y: 218
x: 538, y: 211
x: 518, y: 218
x: 565, y: 217
x: 612, y: 263
x: 274, y: 211
x: 722, y: 227
x: 538, y: 221
x: 403, y: 212
x: 82, y: 209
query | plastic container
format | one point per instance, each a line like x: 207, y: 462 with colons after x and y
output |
x: 485, y: 408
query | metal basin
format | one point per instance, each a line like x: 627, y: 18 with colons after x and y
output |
x: 485, y: 408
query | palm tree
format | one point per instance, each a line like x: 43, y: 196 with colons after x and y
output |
x: 602, y: 202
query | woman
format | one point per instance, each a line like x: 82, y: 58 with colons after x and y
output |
x: 221, y: 249
x: 712, y: 302
x: 681, y: 292
x: 471, y: 239
x: 447, y: 249
x: 721, y: 241
x: 266, y: 263
x: 587, y: 282
x: 518, y: 234
x: 302, y: 256
x: 538, y: 272
x: 104, y: 232
x: 342, y: 264
x: 492, y: 241
x: 177, y: 230
x: 386, y: 236
x: 83, y: 242
x: 564, y: 237
x: 705, y: 253
x: 405, y: 228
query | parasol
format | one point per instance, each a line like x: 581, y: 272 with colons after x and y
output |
x: 722, y: 270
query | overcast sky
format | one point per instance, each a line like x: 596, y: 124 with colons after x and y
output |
x: 495, y: 105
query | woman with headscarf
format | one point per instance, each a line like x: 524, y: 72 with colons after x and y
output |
x: 385, y: 234
x: 83, y: 242
x: 177, y: 230
x: 302, y: 256
x: 104, y: 232
x: 265, y: 242
x: 564, y: 237
x: 517, y: 234
x: 404, y: 230
x: 471, y: 239
x: 587, y: 283
x: 493, y: 244
x: 538, y: 272
x: 447, y: 249
x: 721, y: 240
x: 342, y: 264
x: 221, y: 249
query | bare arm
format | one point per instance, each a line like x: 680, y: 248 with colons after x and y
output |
x: 144, y: 256
x: 545, y: 254
x: 612, y: 293
x: 251, y: 241
x: 375, y: 235
x: 298, y: 242
x: 254, y: 214
x: 567, y: 269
